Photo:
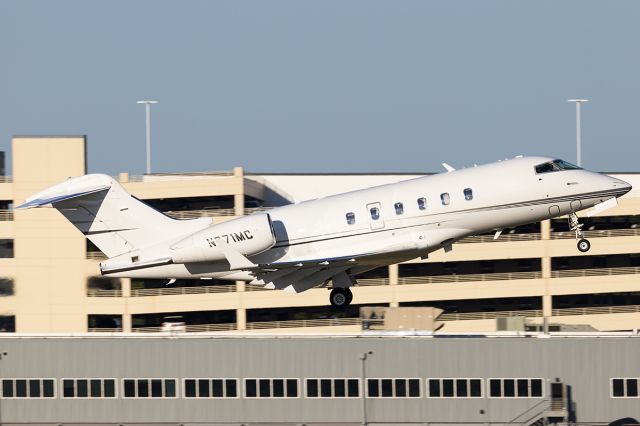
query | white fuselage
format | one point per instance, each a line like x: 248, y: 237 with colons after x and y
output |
x: 502, y: 195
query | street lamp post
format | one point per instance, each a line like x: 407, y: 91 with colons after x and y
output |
x: 578, y: 130
x: 147, y: 110
x: 363, y: 375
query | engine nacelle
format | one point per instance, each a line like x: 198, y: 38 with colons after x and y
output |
x: 248, y: 235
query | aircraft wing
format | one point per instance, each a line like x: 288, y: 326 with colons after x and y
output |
x: 297, y: 277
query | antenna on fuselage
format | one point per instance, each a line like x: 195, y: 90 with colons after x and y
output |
x: 448, y: 167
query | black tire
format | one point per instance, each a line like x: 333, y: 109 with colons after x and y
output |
x: 584, y: 245
x: 338, y: 298
x: 349, y: 295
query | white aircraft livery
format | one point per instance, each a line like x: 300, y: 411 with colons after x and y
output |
x: 300, y: 246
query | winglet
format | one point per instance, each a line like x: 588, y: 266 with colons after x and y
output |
x: 448, y: 167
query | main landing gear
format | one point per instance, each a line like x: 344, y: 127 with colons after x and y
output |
x: 340, y: 297
x: 583, y: 244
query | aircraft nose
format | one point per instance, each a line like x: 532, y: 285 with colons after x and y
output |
x: 621, y: 185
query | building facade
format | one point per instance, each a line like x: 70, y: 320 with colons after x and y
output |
x: 320, y: 380
x: 50, y: 280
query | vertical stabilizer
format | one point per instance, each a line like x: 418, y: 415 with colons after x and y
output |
x: 110, y: 217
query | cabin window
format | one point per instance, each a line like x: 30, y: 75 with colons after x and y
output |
x: 399, y: 208
x: 446, y: 199
x: 468, y: 194
x: 422, y: 203
x: 375, y: 213
x: 351, y: 218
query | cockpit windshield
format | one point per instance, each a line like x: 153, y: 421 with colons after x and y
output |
x: 555, y: 166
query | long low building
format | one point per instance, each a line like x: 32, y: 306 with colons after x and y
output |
x: 381, y: 379
x: 50, y: 280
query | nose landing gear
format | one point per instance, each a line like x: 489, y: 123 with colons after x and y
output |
x: 340, y: 297
x: 574, y: 225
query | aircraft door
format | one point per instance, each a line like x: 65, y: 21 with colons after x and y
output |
x: 375, y: 215
x: 554, y: 211
x: 576, y: 205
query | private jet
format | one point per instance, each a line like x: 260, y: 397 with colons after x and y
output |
x: 332, y: 239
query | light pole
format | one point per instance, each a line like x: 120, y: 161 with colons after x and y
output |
x: 147, y: 110
x: 578, y: 130
x: 363, y: 375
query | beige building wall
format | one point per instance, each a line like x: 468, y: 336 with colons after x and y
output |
x: 50, y: 266
x: 48, y: 263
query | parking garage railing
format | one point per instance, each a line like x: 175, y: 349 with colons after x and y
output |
x: 96, y: 255
x: 322, y: 322
x: 503, y: 238
x: 336, y: 322
x: 532, y: 313
x: 462, y: 316
x: 596, y: 310
x: 629, y: 232
x: 104, y: 293
x: 159, y: 177
x: 190, y: 328
x: 173, y: 291
x: 6, y: 215
x: 433, y: 279
x: 567, y: 273
x: 498, y: 276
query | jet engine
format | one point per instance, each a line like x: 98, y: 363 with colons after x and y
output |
x: 248, y: 235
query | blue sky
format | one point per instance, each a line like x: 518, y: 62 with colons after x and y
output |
x: 324, y: 86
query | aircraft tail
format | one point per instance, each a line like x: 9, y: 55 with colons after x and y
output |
x: 111, y: 218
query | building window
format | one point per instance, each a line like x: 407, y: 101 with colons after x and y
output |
x: 211, y: 388
x: 468, y: 194
x: 444, y: 197
x: 515, y: 388
x: 28, y: 388
x: 393, y: 388
x: 332, y: 388
x: 88, y: 388
x: 271, y: 388
x: 455, y: 388
x: 149, y: 388
x: 422, y: 203
x: 375, y: 213
x: 6, y: 248
x: 351, y: 218
x: 624, y: 388
x: 399, y: 208
x: 6, y: 287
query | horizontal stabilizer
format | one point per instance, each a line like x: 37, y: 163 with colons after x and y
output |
x: 42, y: 199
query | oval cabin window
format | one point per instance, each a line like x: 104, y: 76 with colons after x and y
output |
x: 351, y: 218
x: 422, y: 203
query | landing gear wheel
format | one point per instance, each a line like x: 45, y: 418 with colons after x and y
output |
x: 584, y: 245
x: 349, y: 295
x: 576, y: 226
x: 339, y: 297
